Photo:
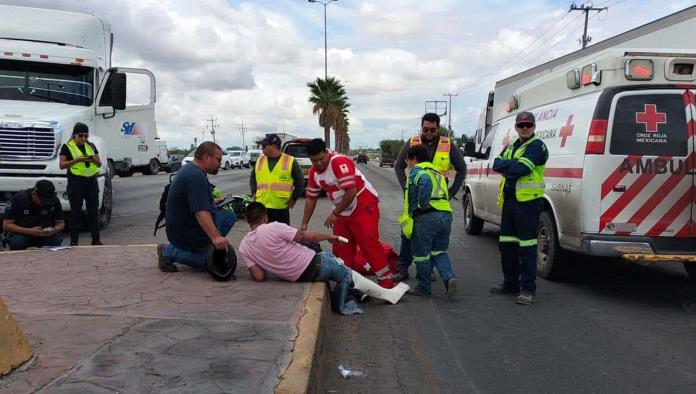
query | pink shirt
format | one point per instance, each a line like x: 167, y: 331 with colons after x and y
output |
x: 271, y: 247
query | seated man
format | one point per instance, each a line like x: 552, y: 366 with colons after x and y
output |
x: 275, y: 247
x: 193, y: 222
x: 34, y: 217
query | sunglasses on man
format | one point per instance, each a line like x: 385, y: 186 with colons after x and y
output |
x: 524, y: 125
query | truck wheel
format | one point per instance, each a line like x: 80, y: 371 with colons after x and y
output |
x: 227, y: 165
x: 152, y: 168
x: 690, y: 269
x: 107, y: 203
x: 472, y: 223
x: 550, y: 256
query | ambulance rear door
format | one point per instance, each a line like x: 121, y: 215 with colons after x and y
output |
x: 647, y: 186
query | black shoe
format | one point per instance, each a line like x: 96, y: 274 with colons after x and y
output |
x: 416, y: 292
x: 451, y: 287
x: 400, y: 276
x: 163, y: 265
x: 501, y: 289
x: 97, y: 243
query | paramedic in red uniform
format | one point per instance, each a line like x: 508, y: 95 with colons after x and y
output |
x: 356, y: 208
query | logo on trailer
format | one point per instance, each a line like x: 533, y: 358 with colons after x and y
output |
x: 651, y: 118
x: 130, y: 129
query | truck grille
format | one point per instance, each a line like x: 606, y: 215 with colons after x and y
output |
x: 27, y: 143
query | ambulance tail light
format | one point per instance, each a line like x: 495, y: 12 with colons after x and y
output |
x: 597, y: 137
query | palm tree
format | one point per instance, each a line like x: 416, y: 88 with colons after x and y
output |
x: 331, y: 104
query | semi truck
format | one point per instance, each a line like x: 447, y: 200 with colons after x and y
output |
x: 55, y: 70
x: 618, y: 121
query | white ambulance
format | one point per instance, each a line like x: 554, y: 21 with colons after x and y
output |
x: 619, y: 125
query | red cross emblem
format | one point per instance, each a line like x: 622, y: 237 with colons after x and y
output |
x: 651, y: 118
x: 506, y: 140
x: 567, y: 130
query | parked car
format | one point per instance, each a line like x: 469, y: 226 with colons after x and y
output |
x: 187, y: 159
x: 298, y: 149
x: 386, y: 160
x: 237, y: 158
x: 254, y: 155
x: 362, y: 159
x: 175, y: 162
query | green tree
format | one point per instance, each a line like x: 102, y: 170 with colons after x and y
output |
x: 390, y: 147
x: 331, y: 105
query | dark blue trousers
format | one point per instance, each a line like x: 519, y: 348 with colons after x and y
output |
x: 518, y: 243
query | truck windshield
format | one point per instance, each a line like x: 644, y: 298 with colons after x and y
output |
x: 34, y: 81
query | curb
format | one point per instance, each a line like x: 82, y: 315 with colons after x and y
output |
x: 15, y: 350
x: 300, y: 374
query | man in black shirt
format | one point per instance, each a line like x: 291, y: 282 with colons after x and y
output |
x: 193, y: 222
x: 34, y: 217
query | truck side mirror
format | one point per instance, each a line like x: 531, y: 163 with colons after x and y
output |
x: 118, y: 91
x: 470, y: 149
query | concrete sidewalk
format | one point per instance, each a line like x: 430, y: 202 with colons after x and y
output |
x: 105, y: 319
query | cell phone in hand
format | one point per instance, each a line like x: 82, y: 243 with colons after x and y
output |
x: 47, y: 229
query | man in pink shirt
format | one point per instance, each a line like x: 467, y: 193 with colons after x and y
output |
x: 275, y: 247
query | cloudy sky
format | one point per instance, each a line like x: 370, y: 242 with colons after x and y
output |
x: 249, y: 61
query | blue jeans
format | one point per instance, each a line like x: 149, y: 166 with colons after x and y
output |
x: 429, y: 243
x: 21, y: 241
x: 224, y: 220
x: 331, y: 270
x: 405, y: 255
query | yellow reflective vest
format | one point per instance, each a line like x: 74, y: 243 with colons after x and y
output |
x: 81, y: 169
x: 274, y: 188
x: 439, y: 197
x: 529, y: 187
x: 441, y: 160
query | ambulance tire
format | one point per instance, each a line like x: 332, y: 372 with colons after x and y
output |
x: 472, y: 223
x: 550, y: 256
x: 690, y: 269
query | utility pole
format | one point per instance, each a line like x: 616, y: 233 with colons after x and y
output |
x: 213, y: 124
x: 449, y: 112
x: 242, y: 131
x: 585, y: 39
x: 402, y: 134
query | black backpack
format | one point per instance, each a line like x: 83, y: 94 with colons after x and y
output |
x: 163, y: 206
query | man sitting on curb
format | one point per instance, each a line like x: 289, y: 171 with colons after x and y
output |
x: 193, y: 222
x: 275, y: 247
x: 34, y: 217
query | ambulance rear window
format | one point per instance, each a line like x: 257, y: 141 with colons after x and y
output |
x: 649, y: 125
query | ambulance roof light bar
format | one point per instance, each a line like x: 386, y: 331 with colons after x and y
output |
x: 590, y: 75
x: 639, y: 69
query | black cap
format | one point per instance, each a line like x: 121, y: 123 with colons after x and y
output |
x: 45, y: 189
x: 271, y: 139
x: 525, y: 117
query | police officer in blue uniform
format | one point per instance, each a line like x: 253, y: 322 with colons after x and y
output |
x: 520, y: 194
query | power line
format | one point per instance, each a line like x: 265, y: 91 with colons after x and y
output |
x: 586, y: 10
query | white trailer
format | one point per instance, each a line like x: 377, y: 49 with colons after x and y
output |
x: 55, y: 70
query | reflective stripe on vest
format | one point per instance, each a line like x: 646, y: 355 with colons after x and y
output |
x: 439, y: 198
x: 529, y: 187
x: 274, y: 188
x: 81, y: 169
x: 441, y: 160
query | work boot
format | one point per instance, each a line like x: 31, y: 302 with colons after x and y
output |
x: 97, y: 243
x: 417, y: 293
x: 501, y: 289
x: 400, y: 276
x: 451, y: 287
x: 163, y: 264
x: 525, y: 298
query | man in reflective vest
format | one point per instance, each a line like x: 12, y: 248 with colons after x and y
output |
x: 520, y: 193
x: 427, y: 221
x: 276, y: 180
x: 444, y: 155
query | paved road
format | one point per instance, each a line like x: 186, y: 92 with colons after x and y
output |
x: 611, y: 327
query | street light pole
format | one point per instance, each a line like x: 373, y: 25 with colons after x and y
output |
x: 326, y: 66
